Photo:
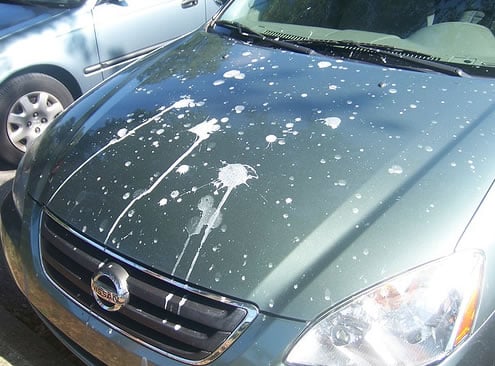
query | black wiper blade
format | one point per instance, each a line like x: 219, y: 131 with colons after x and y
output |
x: 382, y: 54
x: 413, y: 59
x: 250, y: 34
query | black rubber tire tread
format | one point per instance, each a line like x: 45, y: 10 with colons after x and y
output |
x: 11, y: 91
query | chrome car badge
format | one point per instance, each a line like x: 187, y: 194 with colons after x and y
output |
x: 109, y: 286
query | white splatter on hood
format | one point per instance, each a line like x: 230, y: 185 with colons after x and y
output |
x: 269, y: 201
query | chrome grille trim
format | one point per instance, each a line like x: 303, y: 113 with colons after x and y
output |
x: 233, y: 317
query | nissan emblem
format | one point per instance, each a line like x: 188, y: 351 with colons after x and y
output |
x: 109, y: 286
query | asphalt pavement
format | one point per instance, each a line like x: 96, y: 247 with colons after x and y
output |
x: 24, y: 340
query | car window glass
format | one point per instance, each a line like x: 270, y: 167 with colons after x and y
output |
x: 449, y: 31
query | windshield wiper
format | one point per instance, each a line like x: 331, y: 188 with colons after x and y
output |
x: 350, y: 49
x: 415, y: 59
x: 250, y: 34
x: 382, y: 54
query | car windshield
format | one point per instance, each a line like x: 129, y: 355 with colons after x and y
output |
x: 49, y: 3
x: 441, y: 35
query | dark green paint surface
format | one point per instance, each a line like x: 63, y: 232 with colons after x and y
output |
x: 314, y: 178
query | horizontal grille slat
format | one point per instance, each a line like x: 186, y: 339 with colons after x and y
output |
x: 182, y: 322
x: 219, y: 318
x: 180, y: 333
x: 67, y: 248
x: 63, y: 270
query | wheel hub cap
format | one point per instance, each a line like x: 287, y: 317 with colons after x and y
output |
x: 29, y: 117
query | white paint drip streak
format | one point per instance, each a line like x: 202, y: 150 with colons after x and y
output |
x: 208, y: 230
x: 113, y: 142
x: 186, y: 244
x: 153, y: 186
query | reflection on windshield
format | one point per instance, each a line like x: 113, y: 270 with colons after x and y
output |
x: 450, y: 31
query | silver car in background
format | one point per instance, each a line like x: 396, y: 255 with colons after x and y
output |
x: 52, y: 51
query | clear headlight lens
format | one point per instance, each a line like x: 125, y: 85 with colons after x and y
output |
x: 414, y: 319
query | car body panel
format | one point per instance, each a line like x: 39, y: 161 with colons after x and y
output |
x: 478, y: 236
x: 89, y: 42
x: 297, y: 183
x: 68, y: 30
x: 75, y: 322
x: 22, y: 17
x: 332, y: 223
x: 156, y: 21
x: 265, y: 342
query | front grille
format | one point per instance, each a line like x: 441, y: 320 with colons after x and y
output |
x: 183, y: 323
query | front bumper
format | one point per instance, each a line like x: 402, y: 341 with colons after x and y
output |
x: 94, y: 341
x: 265, y: 342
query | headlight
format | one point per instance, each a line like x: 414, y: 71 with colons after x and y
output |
x: 414, y: 319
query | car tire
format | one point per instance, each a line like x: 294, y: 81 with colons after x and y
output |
x: 28, y: 104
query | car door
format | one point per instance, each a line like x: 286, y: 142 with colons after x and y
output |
x: 126, y: 29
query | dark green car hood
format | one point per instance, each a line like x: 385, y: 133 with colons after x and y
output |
x: 288, y: 180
